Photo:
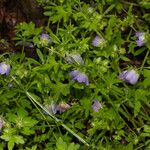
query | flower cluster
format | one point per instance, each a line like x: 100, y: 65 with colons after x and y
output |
x: 4, y: 69
x: 80, y: 77
x: 130, y: 76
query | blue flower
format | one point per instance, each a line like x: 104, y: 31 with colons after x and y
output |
x: 80, y: 77
x: 141, y: 38
x: 98, y: 41
x: 45, y: 39
x: 96, y: 105
x: 75, y: 57
x: 130, y: 76
x: 4, y: 68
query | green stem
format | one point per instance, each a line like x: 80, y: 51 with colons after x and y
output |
x: 40, y: 112
x: 127, y: 115
x: 48, y: 24
x: 129, y: 3
x: 145, y: 58
x: 22, y: 55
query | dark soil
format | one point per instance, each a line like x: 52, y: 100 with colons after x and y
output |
x: 13, y: 12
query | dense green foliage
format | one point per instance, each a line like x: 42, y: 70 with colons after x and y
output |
x: 123, y: 121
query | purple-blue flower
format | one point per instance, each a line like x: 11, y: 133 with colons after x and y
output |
x: 97, y: 41
x: 96, y: 105
x: 4, y: 68
x: 75, y: 57
x: 130, y: 76
x: 141, y: 38
x: 80, y: 77
x: 45, y: 39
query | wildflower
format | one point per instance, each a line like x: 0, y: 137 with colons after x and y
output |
x: 75, y: 57
x: 57, y: 108
x: 130, y: 76
x: 4, y: 68
x: 96, y: 105
x: 141, y: 38
x: 97, y: 41
x: 62, y: 107
x: 52, y: 108
x: 80, y: 77
x: 45, y: 39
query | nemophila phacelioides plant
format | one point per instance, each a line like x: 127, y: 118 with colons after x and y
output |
x: 87, y: 84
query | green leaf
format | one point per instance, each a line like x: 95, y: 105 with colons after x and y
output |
x: 86, y: 104
x: 19, y: 139
x: 137, y: 107
x: 147, y: 17
x: 40, y: 55
x: 34, y: 147
x: 72, y: 146
x: 145, y: 4
x: 146, y: 73
x: 61, y: 145
x: 139, y: 51
x: 54, y: 38
x: 128, y: 147
x: 124, y: 58
x: 60, y: 89
x: 33, y: 61
x: 11, y: 144
x: 8, y: 134
x: 147, y: 128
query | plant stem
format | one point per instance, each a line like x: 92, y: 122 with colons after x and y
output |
x: 40, y: 112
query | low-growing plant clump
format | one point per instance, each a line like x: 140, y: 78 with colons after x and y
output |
x: 87, y: 87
